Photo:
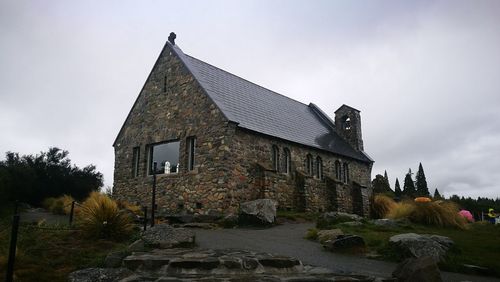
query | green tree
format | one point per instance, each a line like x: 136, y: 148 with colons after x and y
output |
x: 437, y: 195
x: 421, y: 182
x: 31, y: 178
x: 397, y: 189
x: 380, y: 186
x: 409, y: 185
x: 387, y: 184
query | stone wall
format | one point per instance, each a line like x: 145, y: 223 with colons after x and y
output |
x: 183, y: 110
x: 252, y: 166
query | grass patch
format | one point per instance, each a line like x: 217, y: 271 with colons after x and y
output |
x: 478, y: 245
x: 382, y: 205
x: 296, y: 216
x: 312, y: 234
x: 51, y: 253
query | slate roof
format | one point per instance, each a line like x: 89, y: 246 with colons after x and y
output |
x: 258, y: 109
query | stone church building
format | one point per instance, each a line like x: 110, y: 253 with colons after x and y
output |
x: 217, y: 140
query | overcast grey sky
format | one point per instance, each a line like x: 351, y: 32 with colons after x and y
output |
x: 425, y: 74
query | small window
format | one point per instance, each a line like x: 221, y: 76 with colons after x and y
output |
x: 165, y: 83
x: 338, y: 170
x: 165, y: 156
x: 319, y: 168
x: 191, y: 146
x: 276, y: 158
x: 346, y: 173
x: 309, y: 164
x: 135, y: 161
x: 346, y: 123
x: 287, y: 160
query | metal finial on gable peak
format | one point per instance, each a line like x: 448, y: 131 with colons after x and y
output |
x: 171, y: 38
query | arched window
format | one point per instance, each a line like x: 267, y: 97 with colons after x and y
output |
x: 309, y: 164
x: 287, y: 160
x: 319, y: 168
x: 276, y: 158
x: 346, y: 173
x: 338, y: 170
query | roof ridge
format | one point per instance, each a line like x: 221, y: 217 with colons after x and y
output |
x: 272, y: 91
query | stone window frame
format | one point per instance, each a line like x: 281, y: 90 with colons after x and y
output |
x: 275, y: 155
x: 345, y: 170
x: 190, y: 153
x: 309, y: 165
x: 287, y: 163
x: 149, y: 155
x: 136, y: 157
x: 338, y: 170
x: 319, y: 167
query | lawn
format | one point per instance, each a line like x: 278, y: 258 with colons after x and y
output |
x: 50, y: 252
x: 478, y: 245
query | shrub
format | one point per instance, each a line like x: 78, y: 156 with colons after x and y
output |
x: 382, y: 205
x: 125, y: 205
x: 312, y: 234
x: 100, y: 217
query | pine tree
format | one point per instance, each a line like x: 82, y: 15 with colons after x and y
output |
x: 409, y: 185
x: 421, y: 183
x: 437, y: 195
x: 387, y: 184
x: 397, y: 189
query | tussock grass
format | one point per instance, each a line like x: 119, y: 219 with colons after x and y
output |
x: 125, y: 205
x: 437, y: 213
x: 60, y: 205
x: 100, y: 217
x: 382, y: 205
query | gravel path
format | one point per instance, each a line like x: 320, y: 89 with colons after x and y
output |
x: 287, y: 239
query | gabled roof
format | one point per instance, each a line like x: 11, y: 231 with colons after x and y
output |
x: 258, y: 109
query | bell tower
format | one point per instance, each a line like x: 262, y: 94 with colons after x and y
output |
x: 348, y: 126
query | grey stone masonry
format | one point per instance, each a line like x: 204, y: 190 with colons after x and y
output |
x: 231, y: 164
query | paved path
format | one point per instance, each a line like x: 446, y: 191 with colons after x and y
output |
x: 288, y: 240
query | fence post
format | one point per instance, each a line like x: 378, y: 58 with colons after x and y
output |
x: 13, y: 243
x: 153, y: 198
x: 145, y: 217
x: 71, y: 213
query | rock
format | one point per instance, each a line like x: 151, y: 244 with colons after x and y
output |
x: 385, y: 222
x: 416, y: 245
x: 99, y: 275
x: 259, y: 211
x: 114, y: 259
x: 164, y: 236
x: 330, y: 234
x: 193, y: 263
x: 200, y: 225
x: 229, y: 221
x: 278, y: 261
x: 422, y: 269
x: 474, y: 269
x: 331, y: 218
x: 346, y: 243
x: 145, y: 261
x: 137, y: 246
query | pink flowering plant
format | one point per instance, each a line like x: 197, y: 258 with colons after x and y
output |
x: 467, y: 215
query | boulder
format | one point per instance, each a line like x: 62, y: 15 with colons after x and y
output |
x: 99, y: 275
x: 164, y: 236
x: 137, y: 246
x: 352, y: 223
x: 331, y: 218
x: 330, y: 234
x: 350, y: 243
x: 422, y: 269
x: 385, y: 222
x: 416, y: 245
x: 258, y: 211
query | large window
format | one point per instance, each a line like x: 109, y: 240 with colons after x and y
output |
x: 309, y: 165
x: 190, y: 147
x: 165, y: 156
x: 135, y: 161
x: 319, y: 168
x: 287, y: 160
x: 276, y: 158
